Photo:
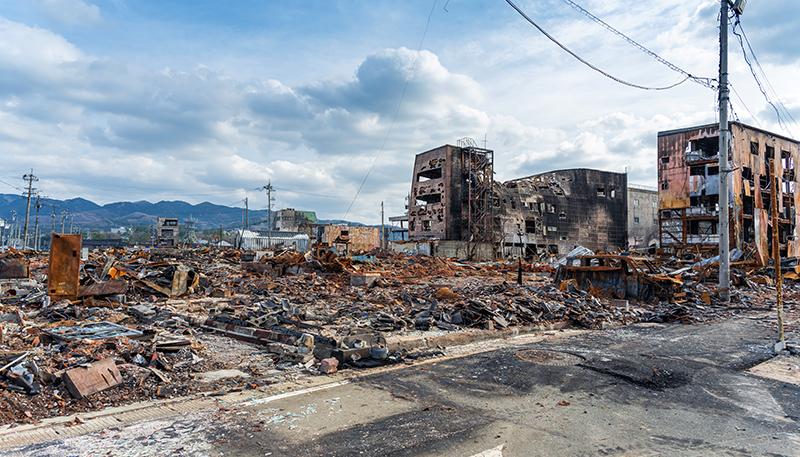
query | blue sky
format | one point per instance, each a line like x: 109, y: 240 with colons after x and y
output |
x: 206, y: 100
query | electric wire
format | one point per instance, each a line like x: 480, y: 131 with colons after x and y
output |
x: 781, y: 121
x: 396, y: 111
x: 747, y: 108
x: 585, y: 62
x: 763, y: 73
x: 706, y: 82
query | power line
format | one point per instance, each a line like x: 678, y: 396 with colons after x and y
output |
x: 707, y: 82
x: 396, y: 111
x: 781, y: 122
x: 747, y: 108
x: 763, y: 73
x: 583, y: 61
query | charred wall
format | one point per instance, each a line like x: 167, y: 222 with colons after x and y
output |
x: 558, y: 210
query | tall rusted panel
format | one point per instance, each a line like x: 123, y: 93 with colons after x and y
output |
x: 65, y: 261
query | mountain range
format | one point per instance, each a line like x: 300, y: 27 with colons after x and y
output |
x: 89, y: 215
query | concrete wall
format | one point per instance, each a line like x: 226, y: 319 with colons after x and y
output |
x: 642, y: 216
x: 361, y: 238
x: 558, y: 210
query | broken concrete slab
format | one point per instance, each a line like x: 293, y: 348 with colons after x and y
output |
x: 86, y: 380
x: 363, y: 279
x: 218, y: 375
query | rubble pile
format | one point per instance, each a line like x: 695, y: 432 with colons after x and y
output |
x: 163, y: 323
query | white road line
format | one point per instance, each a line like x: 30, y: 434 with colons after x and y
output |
x: 493, y: 452
x: 261, y: 401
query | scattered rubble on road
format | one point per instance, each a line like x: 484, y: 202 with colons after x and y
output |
x: 156, y: 323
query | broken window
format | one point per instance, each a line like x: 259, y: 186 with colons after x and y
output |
x: 563, y: 238
x: 562, y: 216
x: 530, y: 226
x: 635, y: 202
x: 551, y: 209
x: 754, y: 147
x: 713, y: 171
x: 747, y: 173
x: 552, y: 228
x: 426, y: 226
x: 770, y: 153
x: 613, y: 193
x: 665, y: 159
x: 601, y: 191
x: 636, y: 219
x: 664, y: 185
x: 704, y: 148
x: 428, y: 199
x: 697, y: 171
x: 425, y: 175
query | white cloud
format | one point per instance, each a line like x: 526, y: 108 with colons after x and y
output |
x: 70, y: 12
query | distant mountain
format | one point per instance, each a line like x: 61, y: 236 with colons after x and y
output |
x: 89, y: 215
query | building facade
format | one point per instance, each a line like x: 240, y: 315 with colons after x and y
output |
x: 551, y: 213
x: 642, y: 216
x: 451, y: 194
x: 167, y: 232
x: 455, y: 198
x: 762, y: 167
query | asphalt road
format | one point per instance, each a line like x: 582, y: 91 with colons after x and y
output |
x: 636, y: 391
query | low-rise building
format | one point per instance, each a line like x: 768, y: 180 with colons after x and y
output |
x: 642, y: 216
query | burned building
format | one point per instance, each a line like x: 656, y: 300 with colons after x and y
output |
x: 166, y: 232
x: 553, y: 212
x: 688, y: 174
x: 642, y: 216
x: 454, y: 197
x: 451, y: 194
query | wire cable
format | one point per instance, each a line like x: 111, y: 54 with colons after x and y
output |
x: 747, y: 108
x: 706, y: 82
x: 396, y: 111
x: 583, y: 61
x: 763, y: 73
x: 781, y: 122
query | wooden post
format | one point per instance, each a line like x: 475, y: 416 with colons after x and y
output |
x: 776, y: 248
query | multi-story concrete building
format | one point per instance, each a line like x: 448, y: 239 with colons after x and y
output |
x: 292, y: 220
x: 454, y: 197
x: 167, y: 232
x: 688, y: 175
x: 642, y: 216
x: 553, y: 212
x: 451, y: 194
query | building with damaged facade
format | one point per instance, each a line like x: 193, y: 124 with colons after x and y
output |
x: 688, y: 175
x: 454, y: 197
x: 553, y: 212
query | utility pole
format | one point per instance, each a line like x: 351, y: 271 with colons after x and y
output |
x: 383, y: 233
x: 246, y: 215
x: 36, y: 225
x: 268, y: 188
x: 724, y: 137
x: 30, y: 178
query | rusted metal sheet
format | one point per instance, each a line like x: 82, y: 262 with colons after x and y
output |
x: 13, y: 268
x: 65, y: 261
x: 617, y: 276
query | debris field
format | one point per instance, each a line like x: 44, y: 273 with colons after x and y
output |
x: 162, y: 323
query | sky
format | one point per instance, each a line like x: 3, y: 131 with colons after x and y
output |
x: 125, y: 100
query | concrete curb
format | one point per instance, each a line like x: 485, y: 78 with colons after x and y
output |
x: 57, y: 428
